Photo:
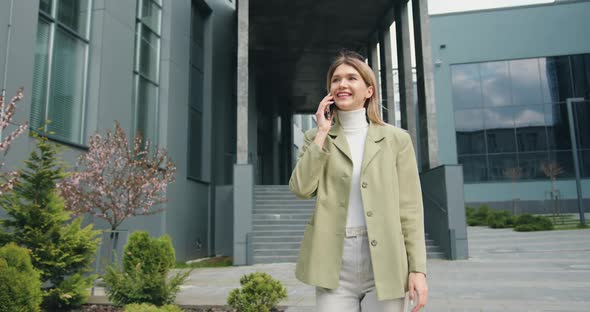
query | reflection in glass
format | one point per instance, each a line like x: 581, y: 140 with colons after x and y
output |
x: 526, y: 84
x: 558, y: 133
x: 531, y: 139
x: 466, y: 86
x: 530, y: 163
x: 581, y: 74
x: 585, y: 163
x: 565, y: 160
x: 470, y: 134
x: 582, y: 118
x: 555, y: 79
x: 495, y: 82
x: 498, y: 164
x: 74, y: 14
x: 474, y: 168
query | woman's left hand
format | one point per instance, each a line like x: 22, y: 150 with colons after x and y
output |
x: 417, y: 284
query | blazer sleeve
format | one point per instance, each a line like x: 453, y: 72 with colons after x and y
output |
x: 411, y: 208
x: 306, y: 175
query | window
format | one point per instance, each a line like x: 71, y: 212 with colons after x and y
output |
x: 59, y: 78
x: 195, y: 135
x: 147, y: 68
x: 512, y: 113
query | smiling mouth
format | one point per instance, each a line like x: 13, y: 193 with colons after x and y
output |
x: 342, y: 95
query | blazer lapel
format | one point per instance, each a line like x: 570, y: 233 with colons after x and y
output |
x: 339, y: 139
x: 372, y: 145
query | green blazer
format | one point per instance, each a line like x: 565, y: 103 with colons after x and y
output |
x: 392, y: 202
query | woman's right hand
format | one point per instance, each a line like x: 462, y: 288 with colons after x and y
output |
x: 324, y: 124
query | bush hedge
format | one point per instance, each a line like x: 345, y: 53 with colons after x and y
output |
x: 529, y: 222
x: 259, y: 293
x: 144, y: 276
x: 20, y: 283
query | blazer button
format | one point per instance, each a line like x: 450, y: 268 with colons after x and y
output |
x: 373, y: 243
x: 369, y: 214
x: 364, y: 185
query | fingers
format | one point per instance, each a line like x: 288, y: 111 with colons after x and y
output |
x: 422, y: 293
x: 326, y: 101
x: 323, y: 107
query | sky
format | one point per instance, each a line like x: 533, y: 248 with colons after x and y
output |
x: 446, y: 6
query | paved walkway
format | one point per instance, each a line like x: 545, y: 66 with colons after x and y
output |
x: 507, y: 271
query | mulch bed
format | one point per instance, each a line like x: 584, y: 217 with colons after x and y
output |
x: 111, y: 308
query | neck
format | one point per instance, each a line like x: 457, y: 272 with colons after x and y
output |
x: 353, y: 119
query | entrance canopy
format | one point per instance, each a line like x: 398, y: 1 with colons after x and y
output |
x: 293, y: 42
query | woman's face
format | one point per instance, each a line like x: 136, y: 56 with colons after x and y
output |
x: 349, y: 89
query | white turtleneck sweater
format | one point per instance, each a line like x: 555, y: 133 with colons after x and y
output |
x: 355, y: 126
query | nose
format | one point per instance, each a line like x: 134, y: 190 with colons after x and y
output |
x: 343, y: 83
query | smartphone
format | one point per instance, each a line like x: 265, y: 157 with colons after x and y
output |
x: 328, y: 114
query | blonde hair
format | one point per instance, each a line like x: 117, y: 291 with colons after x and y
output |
x: 357, y: 62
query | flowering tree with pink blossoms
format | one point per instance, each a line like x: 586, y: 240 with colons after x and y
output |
x: 113, y: 182
x: 7, y: 111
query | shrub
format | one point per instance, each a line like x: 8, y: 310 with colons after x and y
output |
x: 478, y: 217
x: 529, y: 222
x: 500, y: 219
x: 145, y: 307
x: 259, y: 293
x: 20, y: 284
x: 61, y: 248
x: 144, y: 275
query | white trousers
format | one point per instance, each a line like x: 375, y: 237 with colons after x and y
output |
x: 356, y: 291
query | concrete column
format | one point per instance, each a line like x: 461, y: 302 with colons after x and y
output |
x: 243, y: 206
x: 242, y: 85
x: 243, y: 191
x: 404, y: 61
x: 374, y: 63
x: 425, y: 84
x: 386, y: 56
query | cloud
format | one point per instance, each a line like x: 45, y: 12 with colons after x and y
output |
x: 446, y: 6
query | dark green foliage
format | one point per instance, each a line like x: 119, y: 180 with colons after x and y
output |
x: 151, y: 308
x: 529, y: 222
x: 498, y: 219
x: 154, y: 255
x: 61, y: 249
x: 477, y: 217
x: 259, y: 293
x: 20, y: 286
x: 144, y: 276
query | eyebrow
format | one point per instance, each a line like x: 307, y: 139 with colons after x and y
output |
x: 347, y: 74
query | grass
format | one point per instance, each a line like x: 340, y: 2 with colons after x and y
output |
x: 214, y: 262
x: 566, y: 222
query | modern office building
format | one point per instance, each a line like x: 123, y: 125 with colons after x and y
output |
x: 215, y: 82
x: 502, y: 79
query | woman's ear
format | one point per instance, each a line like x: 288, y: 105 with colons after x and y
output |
x: 370, y: 91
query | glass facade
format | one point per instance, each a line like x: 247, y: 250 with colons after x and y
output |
x: 513, y: 114
x: 147, y: 68
x: 197, y: 70
x: 59, y: 79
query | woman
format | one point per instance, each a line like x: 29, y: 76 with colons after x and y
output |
x: 364, y: 246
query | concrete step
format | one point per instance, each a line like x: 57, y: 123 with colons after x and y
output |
x: 277, y: 239
x: 435, y: 255
x: 275, y: 259
x: 302, y: 222
x: 291, y: 202
x: 282, y: 212
x: 280, y: 216
x: 282, y: 227
x: 278, y: 233
x: 276, y: 245
x: 276, y: 252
